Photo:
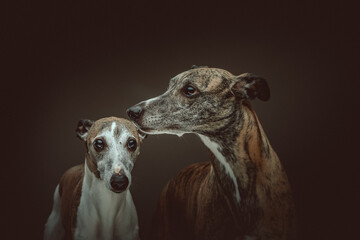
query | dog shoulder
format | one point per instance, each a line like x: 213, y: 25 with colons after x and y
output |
x: 70, y: 193
x: 193, y: 175
x: 71, y: 178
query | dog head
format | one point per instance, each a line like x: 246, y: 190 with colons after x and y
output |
x: 198, y: 101
x: 112, y: 146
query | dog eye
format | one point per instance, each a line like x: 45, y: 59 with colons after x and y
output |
x: 131, y: 144
x: 189, y: 90
x: 99, y: 145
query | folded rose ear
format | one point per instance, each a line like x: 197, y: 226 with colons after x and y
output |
x: 250, y: 86
x: 83, y: 128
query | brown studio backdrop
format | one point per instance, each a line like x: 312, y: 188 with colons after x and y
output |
x: 70, y: 61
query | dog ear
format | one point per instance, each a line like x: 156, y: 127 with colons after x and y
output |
x: 83, y: 128
x: 250, y: 86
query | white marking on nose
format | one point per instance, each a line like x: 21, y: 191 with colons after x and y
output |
x: 117, y: 169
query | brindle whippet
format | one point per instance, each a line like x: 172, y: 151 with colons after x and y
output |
x: 92, y: 200
x: 243, y: 192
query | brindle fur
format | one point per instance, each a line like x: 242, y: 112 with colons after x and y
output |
x: 199, y: 203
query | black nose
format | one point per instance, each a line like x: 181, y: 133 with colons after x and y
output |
x: 134, y: 112
x: 119, y: 183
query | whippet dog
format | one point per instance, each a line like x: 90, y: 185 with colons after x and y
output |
x: 243, y: 192
x: 93, y: 200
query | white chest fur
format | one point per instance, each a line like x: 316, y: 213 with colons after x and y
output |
x: 214, y: 148
x: 103, y: 214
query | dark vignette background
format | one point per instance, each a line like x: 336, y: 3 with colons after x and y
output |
x: 68, y: 60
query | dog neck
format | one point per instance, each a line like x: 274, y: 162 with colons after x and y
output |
x: 91, y: 165
x: 95, y: 188
x: 245, y: 164
x: 100, y: 209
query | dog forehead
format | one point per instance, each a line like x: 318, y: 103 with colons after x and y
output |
x: 207, y: 78
x: 119, y: 126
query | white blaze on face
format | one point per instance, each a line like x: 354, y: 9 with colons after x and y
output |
x: 115, y: 158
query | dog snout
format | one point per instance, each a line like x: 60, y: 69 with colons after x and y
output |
x: 135, y: 112
x: 119, y: 183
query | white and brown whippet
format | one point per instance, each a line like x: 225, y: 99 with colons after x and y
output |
x: 92, y: 200
x: 243, y: 192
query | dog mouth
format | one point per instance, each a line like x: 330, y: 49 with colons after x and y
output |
x: 152, y: 130
x: 141, y: 129
x: 117, y: 191
x: 149, y: 124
